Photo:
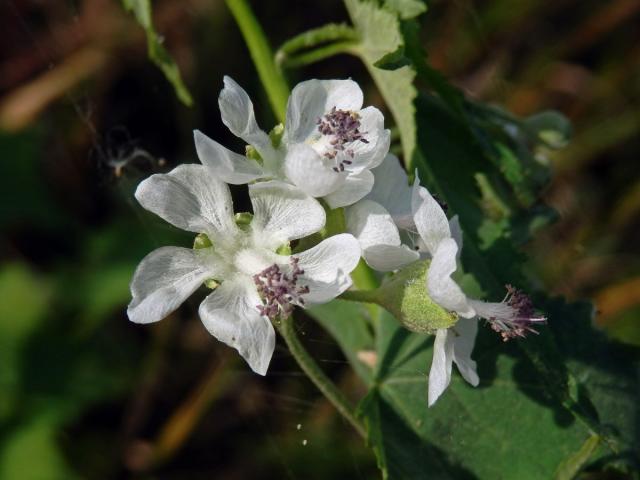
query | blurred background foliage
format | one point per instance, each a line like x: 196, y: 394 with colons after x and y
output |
x: 85, y: 115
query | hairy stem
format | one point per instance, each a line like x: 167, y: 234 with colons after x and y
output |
x: 317, y: 376
x: 270, y: 74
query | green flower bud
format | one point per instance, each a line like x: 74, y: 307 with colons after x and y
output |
x: 405, y: 296
x: 203, y: 241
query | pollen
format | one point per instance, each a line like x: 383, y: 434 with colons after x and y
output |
x: 280, y: 291
x: 343, y: 126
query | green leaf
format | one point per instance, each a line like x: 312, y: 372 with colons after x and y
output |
x: 346, y: 322
x: 540, y: 405
x: 380, y: 34
x: 141, y: 10
x: 33, y: 454
x: 316, y: 44
x: 524, y: 432
x: 25, y: 302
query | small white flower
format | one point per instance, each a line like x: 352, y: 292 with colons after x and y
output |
x: 512, y: 317
x: 328, y: 146
x: 256, y: 284
x: 383, y: 221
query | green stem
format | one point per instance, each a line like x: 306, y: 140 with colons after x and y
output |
x: 362, y: 296
x: 277, y: 89
x: 317, y: 37
x: 317, y: 376
x: 270, y: 75
x: 313, y: 56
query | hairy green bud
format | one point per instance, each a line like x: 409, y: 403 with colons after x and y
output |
x: 405, y: 296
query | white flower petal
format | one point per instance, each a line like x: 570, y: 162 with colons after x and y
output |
x: 229, y: 313
x: 465, y: 331
x: 355, y: 187
x: 429, y: 218
x: 386, y: 258
x: 456, y: 233
x: 306, y: 169
x: 378, y: 235
x: 163, y: 280
x: 283, y: 212
x: 228, y: 166
x: 440, y: 373
x: 441, y: 287
x: 371, y: 224
x: 490, y: 310
x: 191, y: 198
x: 237, y: 114
x: 312, y: 99
x: 372, y: 153
x: 327, y: 267
x: 391, y: 190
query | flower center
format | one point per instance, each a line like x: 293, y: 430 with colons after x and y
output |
x: 280, y: 291
x: 344, y: 128
x: 516, y: 317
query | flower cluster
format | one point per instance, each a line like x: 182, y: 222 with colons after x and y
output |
x: 330, y: 153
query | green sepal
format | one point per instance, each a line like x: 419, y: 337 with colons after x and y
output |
x: 243, y: 220
x: 405, y: 296
x: 251, y: 153
x: 276, y: 135
x: 284, y: 249
x: 202, y: 241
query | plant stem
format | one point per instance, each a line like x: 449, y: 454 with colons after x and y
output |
x: 317, y: 376
x: 271, y: 76
x: 277, y: 89
x: 363, y: 296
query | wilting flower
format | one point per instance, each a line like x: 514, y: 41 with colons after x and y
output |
x: 255, y: 282
x: 327, y: 148
x: 512, y: 317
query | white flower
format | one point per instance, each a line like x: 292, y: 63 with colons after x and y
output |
x: 396, y: 224
x: 327, y: 149
x: 512, y: 317
x: 383, y: 221
x: 256, y: 284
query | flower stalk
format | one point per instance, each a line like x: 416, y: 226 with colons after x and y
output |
x: 270, y: 74
x: 309, y: 366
